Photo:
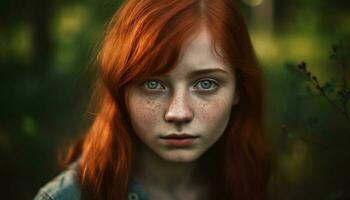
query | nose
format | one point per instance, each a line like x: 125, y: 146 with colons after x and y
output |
x: 179, y: 110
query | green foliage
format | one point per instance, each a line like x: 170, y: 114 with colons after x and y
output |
x: 317, y: 129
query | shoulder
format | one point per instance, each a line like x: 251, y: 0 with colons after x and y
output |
x: 62, y: 187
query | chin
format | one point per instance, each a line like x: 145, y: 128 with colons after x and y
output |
x: 180, y: 157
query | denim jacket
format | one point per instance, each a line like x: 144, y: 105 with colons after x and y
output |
x: 65, y: 187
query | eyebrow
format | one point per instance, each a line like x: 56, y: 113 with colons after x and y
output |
x: 206, y: 71
x: 202, y: 71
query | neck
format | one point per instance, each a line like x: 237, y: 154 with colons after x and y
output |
x: 157, y: 174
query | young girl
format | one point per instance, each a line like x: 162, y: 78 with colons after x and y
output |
x: 179, y: 114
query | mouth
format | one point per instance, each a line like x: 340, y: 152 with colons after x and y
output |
x: 179, y: 139
x: 179, y: 136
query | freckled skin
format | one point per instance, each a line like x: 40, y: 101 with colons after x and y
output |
x: 181, y: 109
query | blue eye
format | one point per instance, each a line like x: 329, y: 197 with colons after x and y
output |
x: 151, y: 84
x: 207, y: 84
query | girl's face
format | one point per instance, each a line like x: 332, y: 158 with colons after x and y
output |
x: 194, y: 99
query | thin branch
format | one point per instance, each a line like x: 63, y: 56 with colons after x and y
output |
x: 320, y: 89
x: 341, y: 60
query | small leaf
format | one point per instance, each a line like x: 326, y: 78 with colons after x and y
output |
x: 302, y: 66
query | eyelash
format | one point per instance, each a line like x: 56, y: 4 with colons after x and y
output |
x: 213, y: 82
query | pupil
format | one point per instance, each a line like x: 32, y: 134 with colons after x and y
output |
x: 205, y: 84
x: 152, y: 84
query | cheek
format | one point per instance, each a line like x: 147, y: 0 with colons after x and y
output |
x: 214, y: 114
x: 144, y: 112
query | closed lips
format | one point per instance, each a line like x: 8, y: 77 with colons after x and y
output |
x: 183, y: 136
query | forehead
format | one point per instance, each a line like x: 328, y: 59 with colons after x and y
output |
x: 198, y: 54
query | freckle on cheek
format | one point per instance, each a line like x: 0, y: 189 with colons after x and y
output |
x: 210, y: 110
x: 147, y: 109
x: 149, y: 102
x: 205, y: 110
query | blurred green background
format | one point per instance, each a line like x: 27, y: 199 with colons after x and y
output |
x: 46, y: 53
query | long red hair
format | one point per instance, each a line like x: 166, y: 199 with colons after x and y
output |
x: 145, y: 38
